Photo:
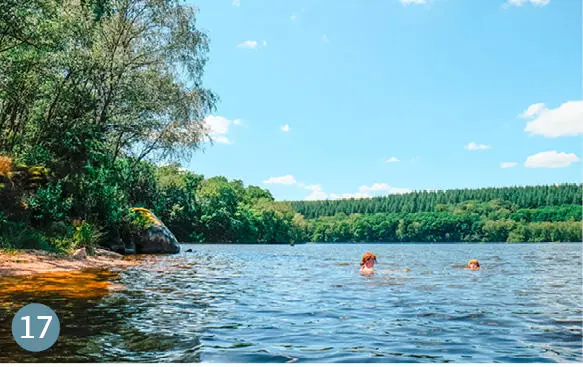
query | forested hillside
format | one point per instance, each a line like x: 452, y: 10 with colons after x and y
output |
x: 511, y: 214
x: 429, y: 201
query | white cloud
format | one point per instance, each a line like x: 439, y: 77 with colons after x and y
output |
x: 316, y: 192
x: 516, y: 2
x: 310, y: 187
x: 392, y: 160
x: 217, y: 128
x: 382, y: 187
x: 533, y: 110
x: 358, y: 195
x: 370, y: 191
x: 374, y: 187
x: 252, y: 44
x: 507, y: 164
x: 282, y: 180
x: 551, y: 159
x: 316, y: 195
x: 519, y: 3
x: 237, y: 3
x: 285, y: 128
x: 474, y: 146
x: 325, y: 38
x: 567, y: 119
x: 293, y: 18
x: 247, y: 44
x: 413, y: 2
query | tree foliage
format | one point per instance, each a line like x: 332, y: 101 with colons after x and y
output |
x: 530, y: 197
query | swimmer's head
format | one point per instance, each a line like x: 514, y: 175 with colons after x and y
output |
x: 474, y: 265
x: 368, y: 259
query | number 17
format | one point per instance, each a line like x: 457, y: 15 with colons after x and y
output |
x: 42, y: 334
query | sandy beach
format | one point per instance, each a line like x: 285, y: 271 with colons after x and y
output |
x: 29, y: 262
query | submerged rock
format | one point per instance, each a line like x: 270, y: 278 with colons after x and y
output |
x: 150, y: 235
x: 105, y: 253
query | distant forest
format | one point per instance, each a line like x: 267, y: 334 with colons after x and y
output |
x: 513, y: 214
x: 525, y: 197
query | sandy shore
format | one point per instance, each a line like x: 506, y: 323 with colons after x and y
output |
x: 29, y: 262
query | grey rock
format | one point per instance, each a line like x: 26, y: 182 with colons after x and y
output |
x: 80, y: 254
x: 156, y: 238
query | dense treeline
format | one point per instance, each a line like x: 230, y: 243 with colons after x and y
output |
x: 220, y: 211
x: 471, y: 221
x: 428, y: 201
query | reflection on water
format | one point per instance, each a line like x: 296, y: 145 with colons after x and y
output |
x: 308, y: 303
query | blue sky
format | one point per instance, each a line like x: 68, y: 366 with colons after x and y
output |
x: 327, y: 99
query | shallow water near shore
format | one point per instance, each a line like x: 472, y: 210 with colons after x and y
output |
x: 308, y: 303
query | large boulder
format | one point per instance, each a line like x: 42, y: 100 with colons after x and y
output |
x: 150, y: 235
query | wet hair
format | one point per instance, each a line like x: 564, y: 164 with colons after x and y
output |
x: 367, y: 256
x: 474, y: 261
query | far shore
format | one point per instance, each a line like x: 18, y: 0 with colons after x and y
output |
x: 29, y: 262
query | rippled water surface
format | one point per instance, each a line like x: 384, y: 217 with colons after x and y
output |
x: 308, y: 303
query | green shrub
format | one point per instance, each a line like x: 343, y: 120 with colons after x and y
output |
x: 48, y: 204
x: 64, y: 245
x: 87, y: 235
x: 138, y: 220
x: 16, y: 235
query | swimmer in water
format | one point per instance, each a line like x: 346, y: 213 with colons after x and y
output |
x: 474, y: 265
x: 367, y: 263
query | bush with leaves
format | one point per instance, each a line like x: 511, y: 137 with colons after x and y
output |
x: 87, y: 236
x: 49, y: 204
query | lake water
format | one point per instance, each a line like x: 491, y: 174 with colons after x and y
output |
x: 308, y: 303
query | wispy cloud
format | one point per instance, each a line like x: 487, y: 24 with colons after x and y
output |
x: 383, y: 188
x: 237, y: 3
x: 282, y: 180
x: 413, y: 2
x: 247, y: 44
x: 250, y: 44
x: 285, y: 128
x: 519, y: 3
x: 324, y: 38
x: 507, y: 164
x: 474, y: 146
x: 533, y: 110
x: 293, y: 18
x: 316, y: 192
x: 375, y: 189
x: 392, y: 160
x: 356, y: 195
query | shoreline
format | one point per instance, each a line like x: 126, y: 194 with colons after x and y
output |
x: 32, y: 262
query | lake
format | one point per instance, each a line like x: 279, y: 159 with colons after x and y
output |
x: 308, y: 303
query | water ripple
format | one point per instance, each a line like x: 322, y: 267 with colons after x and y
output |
x: 222, y: 303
